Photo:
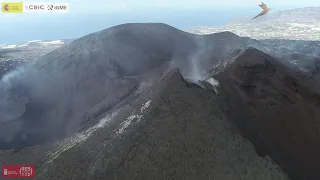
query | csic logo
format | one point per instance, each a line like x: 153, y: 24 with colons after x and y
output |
x: 35, y: 7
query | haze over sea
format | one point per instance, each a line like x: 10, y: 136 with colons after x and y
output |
x: 18, y: 28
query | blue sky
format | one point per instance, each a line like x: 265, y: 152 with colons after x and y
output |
x: 87, y: 16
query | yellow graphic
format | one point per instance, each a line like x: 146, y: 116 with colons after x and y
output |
x: 12, y: 7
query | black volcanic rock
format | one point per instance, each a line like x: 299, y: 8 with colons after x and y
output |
x: 171, y: 131
x: 95, y: 91
x: 57, y: 93
x: 276, y: 110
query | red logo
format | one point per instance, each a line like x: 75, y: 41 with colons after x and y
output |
x: 18, y: 171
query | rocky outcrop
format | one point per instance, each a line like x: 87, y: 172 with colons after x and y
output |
x: 276, y: 110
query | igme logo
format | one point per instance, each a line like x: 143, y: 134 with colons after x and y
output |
x: 63, y: 7
x: 57, y: 7
x: 50, y: 7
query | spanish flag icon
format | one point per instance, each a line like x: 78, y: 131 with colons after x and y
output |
x: 12, y: 7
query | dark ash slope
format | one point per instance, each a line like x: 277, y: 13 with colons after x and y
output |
x: 69, y: 88
x: 276, y: 110
x: 172, y: 131
x: 53, y: 96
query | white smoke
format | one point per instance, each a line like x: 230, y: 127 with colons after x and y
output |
x: 316, y: 52
x: 8, y: 79
x: 196, y: 72
x: 11, y: 106
x: 214, y: 83
x: 10, y: 109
